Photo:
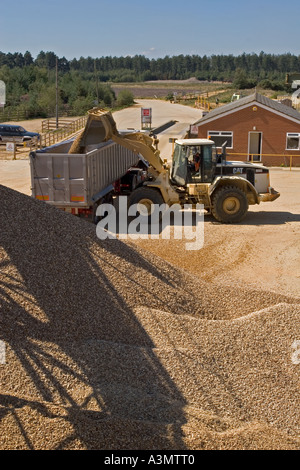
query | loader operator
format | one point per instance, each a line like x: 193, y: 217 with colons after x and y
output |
x: 197, y: 161
x: 194, y: 165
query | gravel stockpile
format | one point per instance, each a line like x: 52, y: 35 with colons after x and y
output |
x: 110, y: 347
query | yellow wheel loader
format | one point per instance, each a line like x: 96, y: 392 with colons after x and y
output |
x: 197, y: 174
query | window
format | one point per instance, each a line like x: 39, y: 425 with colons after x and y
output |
x: 293, y: 141
x: 220, y: 137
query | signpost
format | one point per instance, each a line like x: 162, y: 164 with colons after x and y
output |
x: 146, y: 118
x: 11, y: 148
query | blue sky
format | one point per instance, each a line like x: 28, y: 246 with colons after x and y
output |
x: 153, y: 28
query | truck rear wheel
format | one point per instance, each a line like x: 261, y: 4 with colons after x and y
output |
x: 229, y: 205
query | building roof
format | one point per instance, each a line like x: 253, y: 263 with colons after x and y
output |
x: 194, y: 142
x: 256, y: 98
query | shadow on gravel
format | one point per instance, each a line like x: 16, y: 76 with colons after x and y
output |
x: 262, y: 218
x: 270, y: 218
x: 76, y: 353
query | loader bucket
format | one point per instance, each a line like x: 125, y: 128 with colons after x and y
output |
x: 100, y: 127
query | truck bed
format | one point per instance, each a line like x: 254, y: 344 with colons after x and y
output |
x: 74, y: 180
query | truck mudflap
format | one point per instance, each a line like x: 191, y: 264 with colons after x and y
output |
x: 272, y: 195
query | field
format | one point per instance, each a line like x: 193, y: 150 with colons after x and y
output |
x: 160, y: 89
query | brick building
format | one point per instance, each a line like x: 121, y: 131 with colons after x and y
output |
x: 255, y: 128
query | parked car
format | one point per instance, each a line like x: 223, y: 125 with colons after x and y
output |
x: 13, y: 133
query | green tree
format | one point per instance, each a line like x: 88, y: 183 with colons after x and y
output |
x: 28, y: 60
x: 125, y: 98
x: 242, y: 80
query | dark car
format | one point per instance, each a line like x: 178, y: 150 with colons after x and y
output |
x: 10, y: 133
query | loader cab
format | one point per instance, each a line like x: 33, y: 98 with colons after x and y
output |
x: 194, y: 161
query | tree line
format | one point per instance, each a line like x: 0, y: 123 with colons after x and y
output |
x: 141, y: 68
x: 86, y: 81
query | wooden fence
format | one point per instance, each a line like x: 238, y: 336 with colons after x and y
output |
x: 62, y: 122
x: 65, y: 129
x: 8, y: 114
x: 12, y: 115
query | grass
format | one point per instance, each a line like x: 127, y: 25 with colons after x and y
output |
x: 160, y: 89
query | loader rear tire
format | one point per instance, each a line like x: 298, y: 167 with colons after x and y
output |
x: 229, y: 205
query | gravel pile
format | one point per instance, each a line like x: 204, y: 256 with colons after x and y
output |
x: 110, y: 347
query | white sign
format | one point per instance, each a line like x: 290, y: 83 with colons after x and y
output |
x: 10, y: 147
x: 194, y: 130
x: 146, y: 115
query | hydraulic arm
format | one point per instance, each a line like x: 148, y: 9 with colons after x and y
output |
x: 101, y: 127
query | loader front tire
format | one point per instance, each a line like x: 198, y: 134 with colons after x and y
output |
x: 229, y: 205
x: 146, y: 197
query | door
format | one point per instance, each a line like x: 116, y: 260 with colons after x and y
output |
x: 254, y: 148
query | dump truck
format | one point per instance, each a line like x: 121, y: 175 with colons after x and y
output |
x: 196, y: 175
x: 77, y: 182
